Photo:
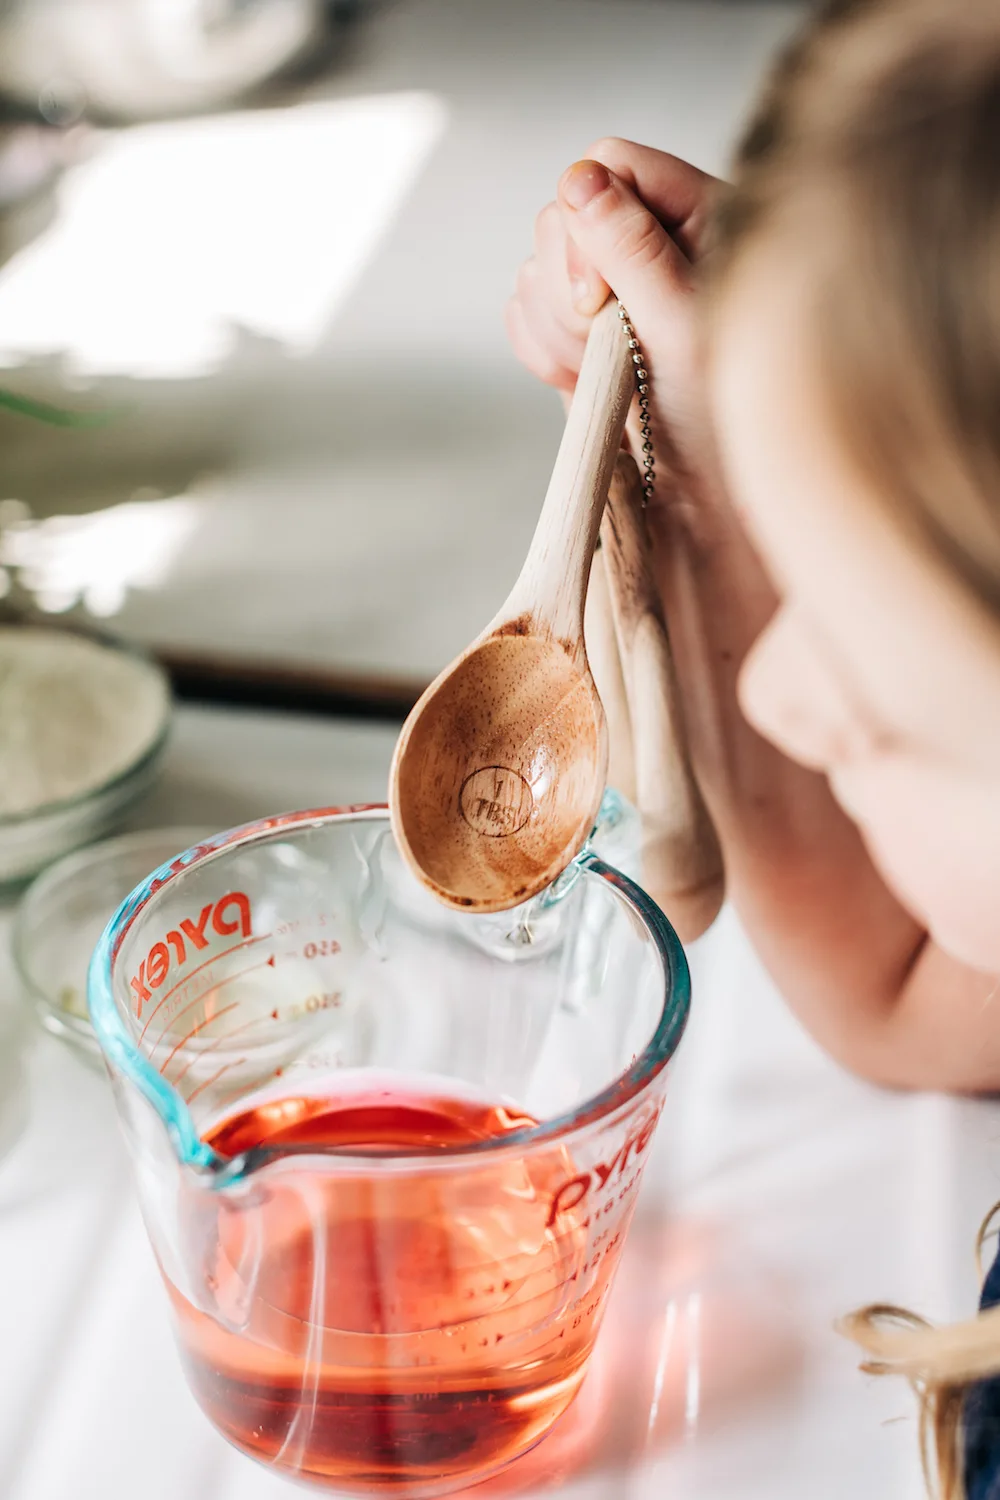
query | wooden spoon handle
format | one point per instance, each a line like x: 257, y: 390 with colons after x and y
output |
x: 553, y: 582
x: 682, y: 862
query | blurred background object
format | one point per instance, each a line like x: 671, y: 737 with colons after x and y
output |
x: 84, y: 722
x: 293, y: 309
x: 64, y: 913
x: 139, y: 59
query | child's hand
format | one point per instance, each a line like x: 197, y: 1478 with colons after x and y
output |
x: 629, y: 218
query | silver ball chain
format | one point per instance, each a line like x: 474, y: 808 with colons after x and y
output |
x: 642, y: 386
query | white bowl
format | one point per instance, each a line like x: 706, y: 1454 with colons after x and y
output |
x: 31, y: 840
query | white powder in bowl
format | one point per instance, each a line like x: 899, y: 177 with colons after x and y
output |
x: 73, y: 715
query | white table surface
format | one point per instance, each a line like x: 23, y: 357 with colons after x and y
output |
x: 781, y: 1193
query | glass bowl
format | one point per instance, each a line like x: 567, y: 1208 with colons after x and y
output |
x: 33, y: 839
x: 64, y: 912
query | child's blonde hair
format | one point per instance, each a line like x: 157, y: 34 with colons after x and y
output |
x: 876, y: 152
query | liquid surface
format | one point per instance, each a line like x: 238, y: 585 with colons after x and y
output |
x: 402, y: 1327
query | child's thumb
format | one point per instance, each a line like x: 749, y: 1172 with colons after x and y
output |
x: 615, y: 233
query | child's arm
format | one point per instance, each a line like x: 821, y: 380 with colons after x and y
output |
x: 859, y: 972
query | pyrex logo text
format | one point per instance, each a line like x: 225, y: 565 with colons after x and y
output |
x: 573, y: 1192
x: 228, y: 915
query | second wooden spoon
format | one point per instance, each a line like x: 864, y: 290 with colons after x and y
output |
x: 682, y: 867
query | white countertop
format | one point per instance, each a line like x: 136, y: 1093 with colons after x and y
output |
x: 781, y: 1194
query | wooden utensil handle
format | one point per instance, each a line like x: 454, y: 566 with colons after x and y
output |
x: 554, y: 578
x: 682, y: 861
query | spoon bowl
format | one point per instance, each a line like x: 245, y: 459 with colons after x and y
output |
x: 493, y: 805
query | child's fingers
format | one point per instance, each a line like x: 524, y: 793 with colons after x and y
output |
x: 538, y: 293
x: 645, y: 205
x: 679, y: 194
x: 627, y: 245
x: 531, y: 353
x: 574, y: 288
x: 588, y: 291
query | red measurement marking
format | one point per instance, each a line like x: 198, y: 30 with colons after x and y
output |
x: 269, y: 963
x: 477, y: 1322
x: 214, y: 1078
x: 247, y: 943
x: 190, y: 1036
x: 229, y: 978
x: 324, y: 948
x: 226, y: 1037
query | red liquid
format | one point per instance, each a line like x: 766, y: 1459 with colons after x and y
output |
x: 380, y: 1329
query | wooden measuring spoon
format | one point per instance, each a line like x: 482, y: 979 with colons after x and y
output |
x: 500, y: 768
x: 681, y: 861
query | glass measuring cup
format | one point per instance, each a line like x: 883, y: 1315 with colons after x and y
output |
x: 386, y: 1154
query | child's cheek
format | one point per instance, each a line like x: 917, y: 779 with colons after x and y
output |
x: 935, y: 835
